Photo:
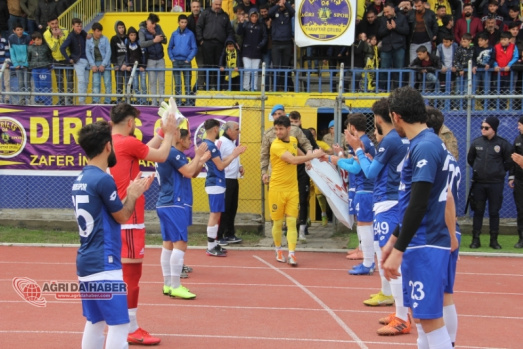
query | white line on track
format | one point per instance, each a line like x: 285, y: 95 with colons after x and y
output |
x: 180, y: 335
x: 175, y: 304
x: 242, y: 267
x: 336, y: 318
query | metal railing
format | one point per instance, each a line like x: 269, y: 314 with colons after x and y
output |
x: 86, y: 10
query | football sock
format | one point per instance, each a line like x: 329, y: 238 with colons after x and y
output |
x: 117, y: 336
x: 385, y: 284
x: 439, y: 339
x: 132, y: 272
x: 212, y: 233
x: 176, y: 267
x: 276, y: 232
x: 323, y: 204
x: 422, y: 338
x: 450, y: 316
x: 133, y: 322
x: 367, y: 244
x: 302, y: 228
x: 396, y: 287
x: 292, y: 234
x: 93, y: 337
x: 165, y: 261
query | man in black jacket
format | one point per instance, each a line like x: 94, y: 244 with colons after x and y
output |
x: 489, y: 157
x: 517, y: 183
x: 393, y: 32
x: 423, y: 28
x: 192, y: 19
x: 212, y: 29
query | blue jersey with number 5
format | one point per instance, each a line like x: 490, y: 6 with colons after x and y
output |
x: 95, y: 197
x: 427, y: 161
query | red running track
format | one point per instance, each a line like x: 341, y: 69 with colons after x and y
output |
x: 249, y: 300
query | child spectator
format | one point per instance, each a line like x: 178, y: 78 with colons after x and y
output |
x: 445, y: 51
x: 426, y: 65
x: 18, y: 42
x: 231, y: 59
x: 4, y: 59
x: 98, y: 52
x: 76, y: 42
x: 484, y: 58
x: 493, y: 11
x: 182, y: 49
x: 118, y: 55
x: 506, y: 55
x: 136, y: 54
x: 446, y: 29
x: 514, y: 30
x: 40, y: 59
x: 463, y: 55
x: 239, y: 11
x: 513, y: 17
x: 254, y: 39
x: 372, y: 60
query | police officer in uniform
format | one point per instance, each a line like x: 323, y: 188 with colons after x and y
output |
x: 490, y: 158
x: 517, y: 183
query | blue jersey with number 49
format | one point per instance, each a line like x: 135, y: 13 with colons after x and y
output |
x: 427, y: 161
x: 95, y: 197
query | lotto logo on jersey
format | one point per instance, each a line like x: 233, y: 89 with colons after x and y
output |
x: 421, y: 163
x: 113, y: 196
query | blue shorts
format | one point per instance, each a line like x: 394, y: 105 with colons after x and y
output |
x: 384, y: 225
x: 363, y: 206
x: 113, y: 311
x: 449, y: 288
x: 424, y: 270
x: 351, y: 194
x: 188, y: 214
x: 173, y: 223
x: 217, y: 202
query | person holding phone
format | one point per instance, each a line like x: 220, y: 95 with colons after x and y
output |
x: 152, y: 38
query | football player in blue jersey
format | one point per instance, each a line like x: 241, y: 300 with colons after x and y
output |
x: 99, y: 213
x: 385, y: 168
x: 174, y: 209
x: 450, y: 316
x: 357, y: 125
x: 421, y: 244
x: 215, y: 184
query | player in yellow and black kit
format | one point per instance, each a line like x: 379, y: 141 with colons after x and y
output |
x: 283, y: 188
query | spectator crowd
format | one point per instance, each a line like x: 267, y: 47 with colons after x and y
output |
x: 435, y: 40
